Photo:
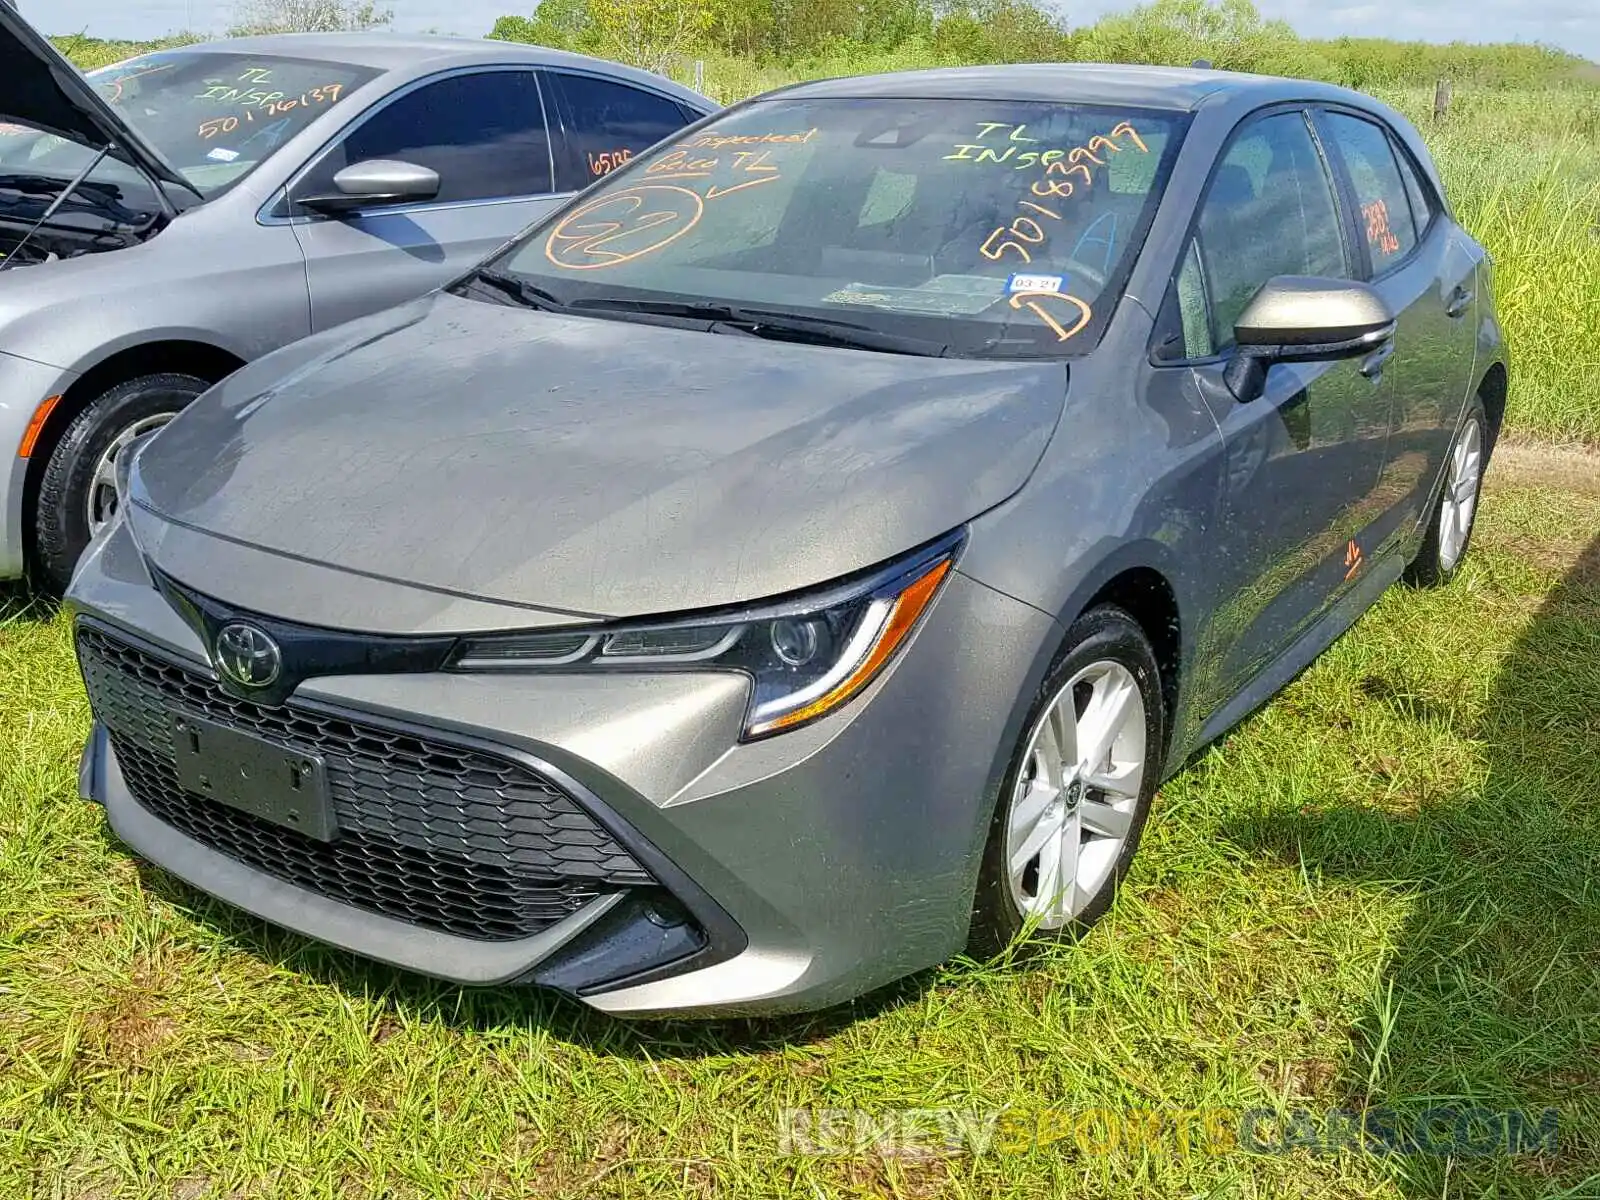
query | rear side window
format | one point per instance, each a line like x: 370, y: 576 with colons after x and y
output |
x: 484, y: 133
x: 607, y: 123
x: 1385, y: 208
x: 1269, y: 211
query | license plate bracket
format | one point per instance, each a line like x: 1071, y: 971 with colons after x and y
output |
x: 287, y: 787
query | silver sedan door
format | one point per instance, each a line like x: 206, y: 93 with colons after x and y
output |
x: 484, y: 132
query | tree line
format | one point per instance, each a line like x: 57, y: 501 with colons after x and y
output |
x: 1231, y: 34
x: 802, y: 37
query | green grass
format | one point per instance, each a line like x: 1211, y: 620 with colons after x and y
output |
x: 1522, y: 169
x: 1382, y: 889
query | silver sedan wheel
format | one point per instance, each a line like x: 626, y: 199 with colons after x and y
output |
x: 102, y: 502
x: 1460, y: 503
x: 1077, y: 794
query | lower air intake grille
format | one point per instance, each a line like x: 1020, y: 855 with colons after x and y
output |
x: 440, y: 835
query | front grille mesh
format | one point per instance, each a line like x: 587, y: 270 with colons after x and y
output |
x: 443, y: 836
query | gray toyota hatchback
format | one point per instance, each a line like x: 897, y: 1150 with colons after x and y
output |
x: 803, y: 555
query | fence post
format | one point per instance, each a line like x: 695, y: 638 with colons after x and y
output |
x: 700, y: 75
x: 1441, y: 99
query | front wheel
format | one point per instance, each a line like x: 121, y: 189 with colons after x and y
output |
x: 1078, y: 790
x: 1454, y: 514
x: 78, y: 492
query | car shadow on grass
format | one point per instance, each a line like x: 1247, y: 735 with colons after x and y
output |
x: 1491, y: 997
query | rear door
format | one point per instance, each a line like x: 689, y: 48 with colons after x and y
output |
x: 600, y: 123
x: 484, y: 132
x: 1424, y: 271
x: 1304, y: 460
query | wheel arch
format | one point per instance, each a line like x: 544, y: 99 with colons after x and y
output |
x: 1142, y: 578
x: 187, y: 356
x: 1146, y: 595
x: 1493, y: 389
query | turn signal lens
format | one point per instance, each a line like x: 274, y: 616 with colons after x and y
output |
x: 30, y: 436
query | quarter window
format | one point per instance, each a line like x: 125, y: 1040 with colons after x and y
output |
x: 484, y: 133
x: 1192, y: 317
x: 1269, y: 211
x: 607, y: 124
x: 1385, y: 208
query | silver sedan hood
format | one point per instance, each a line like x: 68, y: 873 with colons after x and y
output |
x: 588, y: 467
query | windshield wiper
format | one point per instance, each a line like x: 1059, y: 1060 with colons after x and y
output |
x: 31, y: 185
x: 776, y: 325
x: 518, y: 290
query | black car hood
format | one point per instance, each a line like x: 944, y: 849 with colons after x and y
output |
x: 593, y: 467
x: 39, y: 87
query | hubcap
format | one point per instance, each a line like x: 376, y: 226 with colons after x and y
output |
x: 1074, y: 802
x: 1461, y: 495
x: 102, y: 502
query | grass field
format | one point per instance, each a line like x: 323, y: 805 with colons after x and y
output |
x: 1381, y: 890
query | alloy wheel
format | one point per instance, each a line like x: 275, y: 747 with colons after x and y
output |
x: 1076, y: 795
x: 1460, y: 502
x: 102, y: 499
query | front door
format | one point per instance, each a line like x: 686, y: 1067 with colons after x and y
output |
x: 1305, y: 460
x: 484, y: 133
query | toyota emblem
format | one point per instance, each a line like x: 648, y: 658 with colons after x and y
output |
x: 248, y: 656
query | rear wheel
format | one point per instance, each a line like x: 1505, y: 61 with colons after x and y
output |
x: 1455, y: 513
x: 1078, y: 791
x: 78, y: 493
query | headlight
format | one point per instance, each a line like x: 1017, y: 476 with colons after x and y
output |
x: 807, y: 656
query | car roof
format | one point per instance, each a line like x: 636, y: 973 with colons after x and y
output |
x: 385, y: 51
x: 1177, y: 88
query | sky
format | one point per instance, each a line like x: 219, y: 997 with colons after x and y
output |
x: 1570, y: 24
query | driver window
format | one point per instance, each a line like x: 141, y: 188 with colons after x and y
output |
x: 1269, y: 211
x: 484, y: 133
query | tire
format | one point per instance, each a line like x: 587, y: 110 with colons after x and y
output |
x: 1455, y: 510
x: 1104, y: 653
x: 74, y: 478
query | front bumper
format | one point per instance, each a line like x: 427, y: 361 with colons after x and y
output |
x: 813, y: 866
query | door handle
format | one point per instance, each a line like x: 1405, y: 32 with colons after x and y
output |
x: 1460, y: 301
x: 1372, y: 365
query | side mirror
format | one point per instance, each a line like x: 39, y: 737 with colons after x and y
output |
x: 374, y: 183
x: 1297, y: 318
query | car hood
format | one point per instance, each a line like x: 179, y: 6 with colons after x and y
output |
x: 41, y: 88
x: 591, y: 467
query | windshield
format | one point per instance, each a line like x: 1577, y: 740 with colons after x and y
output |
x: 981, y: 228
x: 215, y: 117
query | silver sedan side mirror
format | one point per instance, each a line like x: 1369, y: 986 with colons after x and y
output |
x: 375, y: 183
